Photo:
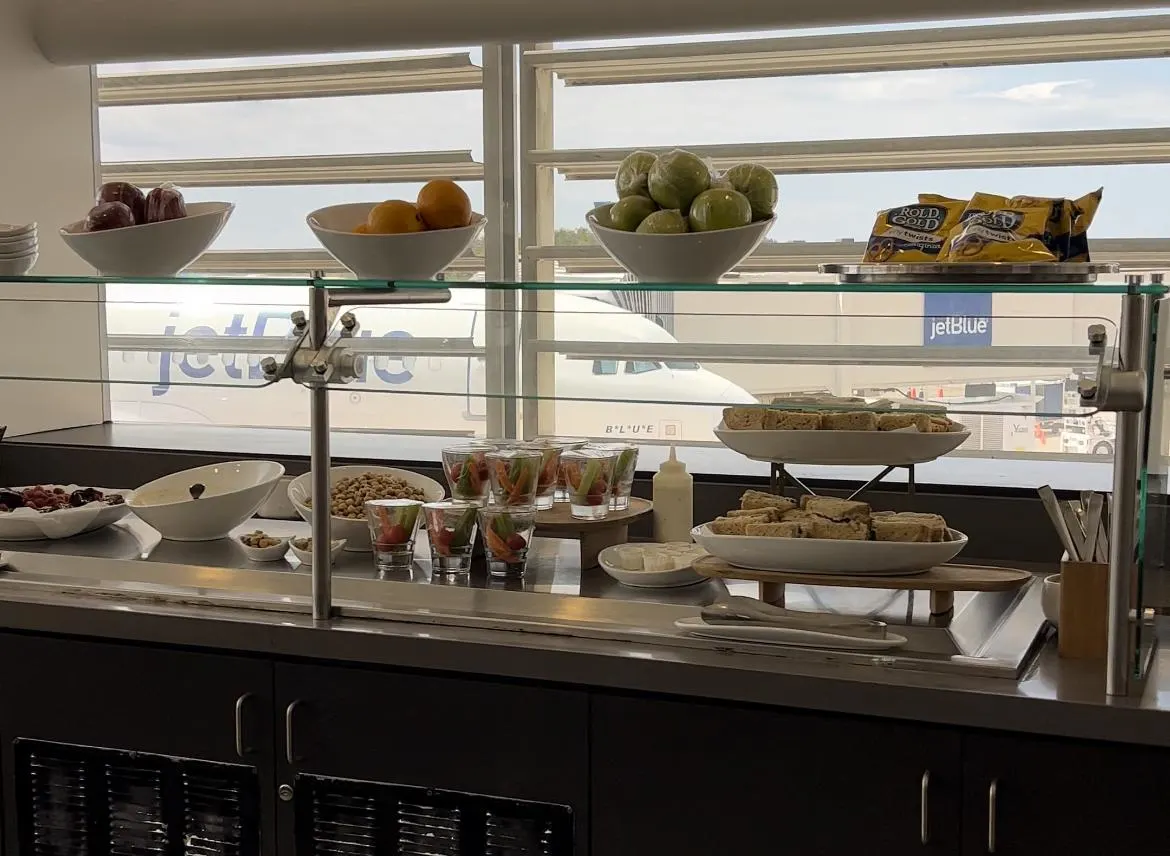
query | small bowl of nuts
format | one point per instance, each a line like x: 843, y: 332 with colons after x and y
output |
x: 303, y: 549
x: 351, y: 488
x: 259, y: 546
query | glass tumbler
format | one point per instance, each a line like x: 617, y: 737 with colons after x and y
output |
x: 393, y: 525
x: 623, y: 473
x: 467, y: 471
x: 451, y: 526
x: 588, y: 474
x: 549, y: 475
x: 507, y: 534
x: 514, y: 474
x: 565, y: 443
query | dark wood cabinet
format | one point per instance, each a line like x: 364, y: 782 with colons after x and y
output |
x: 450, y: 756
x: 691, y: 778
x: 1027, y: 794
x: 178, y: 736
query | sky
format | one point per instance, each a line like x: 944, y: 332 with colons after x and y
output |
x: 1067, y: 96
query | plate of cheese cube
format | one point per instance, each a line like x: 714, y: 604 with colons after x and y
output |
x: 844, y: 437
x: 652, y: 565
x: 828, y: 536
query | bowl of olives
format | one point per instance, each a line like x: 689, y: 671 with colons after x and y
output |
x: 136, y: 234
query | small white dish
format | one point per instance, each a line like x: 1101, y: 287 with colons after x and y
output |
x: 1050, y: 599
x: 842, y: 448
x: 409, y: 256
x: 151, y: 249
x: 19, y: 266
x: 18, y: 246
x: 265, y: 554
x: 748, y: 632
x: 7, y: 230
x: 828, y: 556
x: 670, y: 578
x: 305, y: 557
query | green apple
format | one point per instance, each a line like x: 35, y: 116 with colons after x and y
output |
x: 758, y: 184
x: 627, y: 214
x: 633, y: 175
x: 714, y: 210
x: 677, y: 178
x: 670, y: 222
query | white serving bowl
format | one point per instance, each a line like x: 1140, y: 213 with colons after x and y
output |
x: 232, y: 493
x: 18, y: 266
x: 25, y: 524
x: 356, y: 532
x: 265, y: 554
x: 826, y: 556
x: 152, y: 249
x: 690, y: 257
x: 842, y: 448
x: 7, y: 230
x: 278, y: 506
x: 305, y: 557
x: 412, y: 256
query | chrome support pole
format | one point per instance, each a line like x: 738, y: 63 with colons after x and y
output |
x: 322, y: 570
x: 1133, y: 352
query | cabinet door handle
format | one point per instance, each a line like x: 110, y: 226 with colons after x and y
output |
x: 289, y: 711
x: 924, y: 809
x: 242, y: 748
x: 992, y: 795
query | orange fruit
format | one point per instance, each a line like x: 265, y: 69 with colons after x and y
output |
x: 361, y: 229
x: 444, y: 205
x: 394, y: 217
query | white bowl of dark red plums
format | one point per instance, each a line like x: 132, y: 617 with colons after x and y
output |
x: 50, y: 511
x: 135, y: 234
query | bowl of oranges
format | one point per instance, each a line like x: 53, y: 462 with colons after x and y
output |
x: 399, y: 239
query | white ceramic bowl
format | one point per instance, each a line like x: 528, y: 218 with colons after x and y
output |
x: 413, y: 256
x: 1050, y: 599
x: 18, y: 266
x: 265, y: 554
x: 24, y: 524
x: 152, y: 249
x: 689, y: 257
x: 356, y: 532
x: 18, y: 246
x: 305, y: 557
x: 7, y: 230
x: 825, y: 556
x: 232, y: 493
x: 278, y: 506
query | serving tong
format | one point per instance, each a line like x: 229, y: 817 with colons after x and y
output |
x: 746, y: 610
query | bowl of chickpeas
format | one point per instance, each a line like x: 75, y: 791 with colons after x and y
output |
x: 350, y: 488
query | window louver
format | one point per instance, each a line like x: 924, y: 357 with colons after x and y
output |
x: 77, y: 801
x: 341, y: 817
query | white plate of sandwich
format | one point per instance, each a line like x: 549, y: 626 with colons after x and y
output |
x: 844, y: 438
x: 881, y: 544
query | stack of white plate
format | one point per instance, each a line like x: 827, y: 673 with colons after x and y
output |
x: 18, y: 249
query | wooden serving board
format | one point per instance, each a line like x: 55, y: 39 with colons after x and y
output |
x: 941, y: 581
x: 594, y: 535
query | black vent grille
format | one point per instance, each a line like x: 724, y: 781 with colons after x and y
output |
x: 341, y: 817
x: 77, y: 801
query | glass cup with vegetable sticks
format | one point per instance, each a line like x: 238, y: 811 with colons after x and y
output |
x: 466, y: 470
x: 623, y: 472
x: 565, y: 443
x: 514, y: 475
x: 507, y: 534
x: 588, y: 474
x: 451, y: 526
x: 393, y: 525
x: 549, y: 475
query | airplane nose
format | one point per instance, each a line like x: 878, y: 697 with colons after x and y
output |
x: 733, y: 394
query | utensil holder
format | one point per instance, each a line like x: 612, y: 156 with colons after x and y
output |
x: 1084, y: 610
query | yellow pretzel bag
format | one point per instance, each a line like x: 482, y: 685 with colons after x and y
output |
x: 912, y: 234
x: 995, y: 229
x: 1084, y: 210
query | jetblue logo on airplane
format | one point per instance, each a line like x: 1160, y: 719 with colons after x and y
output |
x: 956, y: 320
x: 395, y: 371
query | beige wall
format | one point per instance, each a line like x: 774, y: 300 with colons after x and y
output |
x: 46, y: 175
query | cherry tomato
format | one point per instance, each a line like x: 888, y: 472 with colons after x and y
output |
x: 396, y: 534
x: 516, y: 542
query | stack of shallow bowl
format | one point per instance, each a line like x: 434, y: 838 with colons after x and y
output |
x: 18, y: 249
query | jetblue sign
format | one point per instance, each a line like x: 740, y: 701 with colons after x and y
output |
x: 956, y: 320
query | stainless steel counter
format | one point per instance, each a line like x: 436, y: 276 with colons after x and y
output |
x: 563, y: 626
